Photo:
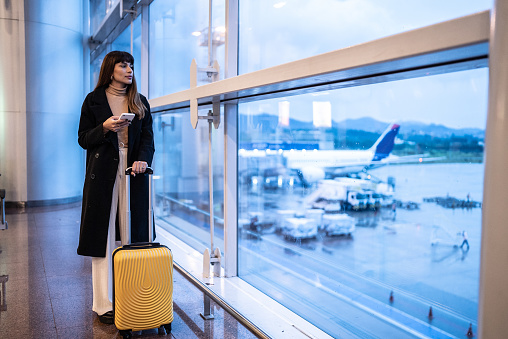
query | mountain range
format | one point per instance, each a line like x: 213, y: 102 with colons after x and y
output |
x: 366, y: 124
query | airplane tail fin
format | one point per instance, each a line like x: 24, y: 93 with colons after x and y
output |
x: 384, y: 145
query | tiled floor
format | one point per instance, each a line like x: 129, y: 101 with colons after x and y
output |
x: 46, y: 288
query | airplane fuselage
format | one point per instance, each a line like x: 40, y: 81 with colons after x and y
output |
x: 327, y: 159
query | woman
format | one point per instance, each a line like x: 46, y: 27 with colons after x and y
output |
x: 113, y: 145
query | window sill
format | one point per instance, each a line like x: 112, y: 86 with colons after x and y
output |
x: 268, y: 315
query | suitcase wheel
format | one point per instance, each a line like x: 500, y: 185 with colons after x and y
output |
x: 126, y: 334
x: 167, y: 327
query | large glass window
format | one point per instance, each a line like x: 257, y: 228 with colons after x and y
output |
x: 99, y: 9
x: 182, y: 186
x: 360, y: 208
x: 178, y: 34
x: 95, y: 70
x: 275, y: 32
x: 123, y: 43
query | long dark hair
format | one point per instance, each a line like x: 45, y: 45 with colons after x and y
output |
x: 107, y: 68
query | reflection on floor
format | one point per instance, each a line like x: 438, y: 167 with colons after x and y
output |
x: 46, y: 288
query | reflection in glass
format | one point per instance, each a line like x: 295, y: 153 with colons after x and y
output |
x: 99, y: 9
x: 181, y: 179
x: 354, y: 204
x: 95, y: 69
x: 276, y: 32
x: 123, y: 43
x: 178, y: 34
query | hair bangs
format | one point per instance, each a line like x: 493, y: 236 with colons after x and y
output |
x: 123, y: 57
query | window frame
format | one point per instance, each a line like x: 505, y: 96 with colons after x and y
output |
x: 444, y: 47
x: 449, y: 46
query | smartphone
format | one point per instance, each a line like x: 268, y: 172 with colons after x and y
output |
x: 127, y: 116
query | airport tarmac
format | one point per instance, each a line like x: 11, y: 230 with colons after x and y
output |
x: 384, y: 280
x: 409, y: 255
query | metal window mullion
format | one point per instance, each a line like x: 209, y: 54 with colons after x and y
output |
x: 230, y: 190
x: 231, y: 47
x: 210, y: 33
x: 86, y: 53
x: 145, y: 19
x: 230, y: 147
x: 493, y: 299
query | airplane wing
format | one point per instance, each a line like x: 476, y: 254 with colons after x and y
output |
x: 406, y: 159
x: 355, y: 167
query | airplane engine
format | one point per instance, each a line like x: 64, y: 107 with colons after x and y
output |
x: 311, y: 175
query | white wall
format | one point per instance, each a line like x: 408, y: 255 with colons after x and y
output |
x: 42, y: 89
x: 13, y: 153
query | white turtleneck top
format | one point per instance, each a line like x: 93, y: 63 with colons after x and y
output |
x: 117, y: 100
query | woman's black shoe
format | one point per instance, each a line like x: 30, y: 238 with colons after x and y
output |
x: 106, y: 318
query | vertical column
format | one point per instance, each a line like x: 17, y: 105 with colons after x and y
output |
x: 230, y: 147
x: 54, y: 94
x: 493, y: 311
x: 230, y: 190
x: 13, y: 152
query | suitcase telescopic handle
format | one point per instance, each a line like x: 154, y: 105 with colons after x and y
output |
x: 128, y: 172
x: 148, y: 170
x: 142, y: 245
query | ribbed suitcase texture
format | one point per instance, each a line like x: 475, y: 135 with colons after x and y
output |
x: 143, y: 286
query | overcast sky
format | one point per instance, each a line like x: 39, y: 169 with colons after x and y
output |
x: 456, y: 100
x: 273, y: 32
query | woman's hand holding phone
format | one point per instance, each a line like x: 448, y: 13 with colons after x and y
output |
x: 127, y: 116
x: 115, y: 124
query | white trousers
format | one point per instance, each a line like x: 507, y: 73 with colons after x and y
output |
x: 102, y: 273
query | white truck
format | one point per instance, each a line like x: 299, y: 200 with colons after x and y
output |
x: 373, y: 199
x: 331, y: 194
x: 378, y: 193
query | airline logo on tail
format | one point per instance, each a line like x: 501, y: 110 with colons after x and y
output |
x: 384, y: 146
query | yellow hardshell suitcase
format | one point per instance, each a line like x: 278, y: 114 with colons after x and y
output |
x: 142, y: 282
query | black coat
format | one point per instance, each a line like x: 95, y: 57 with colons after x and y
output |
x: 102, y: 158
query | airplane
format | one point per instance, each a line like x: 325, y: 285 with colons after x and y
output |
x: 314, y: 165
x: 311, y: 166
